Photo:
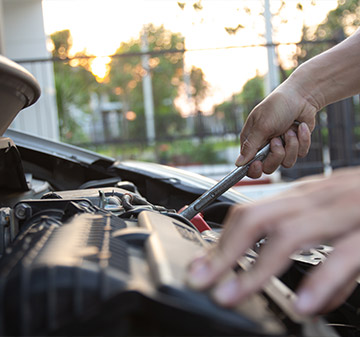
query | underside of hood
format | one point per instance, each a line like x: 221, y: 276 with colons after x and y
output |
x: 18, y: 89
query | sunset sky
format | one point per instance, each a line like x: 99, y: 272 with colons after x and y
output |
x: 99, y: 26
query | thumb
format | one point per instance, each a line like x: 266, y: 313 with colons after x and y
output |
x: 250, y: 146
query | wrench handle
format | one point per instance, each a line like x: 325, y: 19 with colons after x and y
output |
x: 223, y: 185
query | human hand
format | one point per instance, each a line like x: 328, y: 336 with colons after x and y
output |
x: 274, y: 117
x: 315, y: 212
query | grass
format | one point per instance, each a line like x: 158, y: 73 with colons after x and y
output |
x: 180, y: 152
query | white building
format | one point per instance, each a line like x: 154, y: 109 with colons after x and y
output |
x: 22, y: 38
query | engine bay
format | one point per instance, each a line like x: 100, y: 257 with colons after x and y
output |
x: 86, y: 255
x: 100, y: 249
x: 83, y: 257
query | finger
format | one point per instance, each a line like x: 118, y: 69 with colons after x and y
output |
x: 255, y: 170
x: 275, y: 157
x: 204, y: 271
x: 244, y: 225
x: 249, y: 147
x: 326, y: 282
x: 304, y: 137
x: 251, y: 143
x: 291, y: 148
x: 230, y: 292
x: 340, y: 296
x: 284, y: 239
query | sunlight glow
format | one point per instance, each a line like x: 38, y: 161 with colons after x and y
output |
x: 105, y: 24
x: 130, y: 115
x: 100, y: 68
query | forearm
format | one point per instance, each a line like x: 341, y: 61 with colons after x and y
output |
x: 330, y: 76
x: 326, y: 78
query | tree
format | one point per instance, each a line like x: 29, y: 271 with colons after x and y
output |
x: 252, y: 94
x: 199, y: 86
x: 229, y: 112
x: 73, y: 86
x: 240, y: 105
x: 125, y: 81
x: 339, y: 23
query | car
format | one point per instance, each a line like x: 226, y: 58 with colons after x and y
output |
x: 93, y: 246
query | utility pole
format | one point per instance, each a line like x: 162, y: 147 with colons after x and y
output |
x: 147, y: 90
x: 2, y: 34
x: 272, y: 78
x: 189, y: 100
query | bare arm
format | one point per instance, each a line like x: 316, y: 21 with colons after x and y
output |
x: 326, y: 78
x: 332, y: 75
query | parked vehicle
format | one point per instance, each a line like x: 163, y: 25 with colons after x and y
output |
x: 92, y: 246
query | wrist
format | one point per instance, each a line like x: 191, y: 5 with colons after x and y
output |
x: 308, y: 86
x: 331, y: 75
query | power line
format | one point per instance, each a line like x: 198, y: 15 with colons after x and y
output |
x: 170, y: 51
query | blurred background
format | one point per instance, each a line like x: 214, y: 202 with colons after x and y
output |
x: 173, y: 81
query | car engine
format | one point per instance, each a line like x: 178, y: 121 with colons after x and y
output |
x: 106, y: 261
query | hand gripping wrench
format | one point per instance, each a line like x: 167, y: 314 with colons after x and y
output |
x: 222, y: 186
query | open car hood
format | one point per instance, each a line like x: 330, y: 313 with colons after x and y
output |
x: 18, y: 89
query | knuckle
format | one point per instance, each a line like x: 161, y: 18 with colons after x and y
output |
x: 278, y: 151
x: 288, y: 163
x: 272, y: 162
x: 291, y: 141
x: 254, y: 173
x: 255, y: 170
x: 287, y: 235
x: 270, y: 168
x: 303, y: 153
x: 250, y: 228
x: 246, y: 145
x: 311, y: 125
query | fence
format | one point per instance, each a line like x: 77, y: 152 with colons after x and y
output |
x: 335, y: 140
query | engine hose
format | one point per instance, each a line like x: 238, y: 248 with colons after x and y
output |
x: 126, y: 201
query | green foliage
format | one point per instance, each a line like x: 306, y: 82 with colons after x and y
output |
x: 180, y: 152
x: 62, y: 43
x: 199, y: 87
x: 125, y: 81
x: 242, y: 103
x: 253, y: 92
x: 229, y: 113
x: 73, y: 87
x: 186, y: 152
x: 339, y: 23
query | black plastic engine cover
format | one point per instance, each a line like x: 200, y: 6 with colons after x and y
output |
x: 98, y: 274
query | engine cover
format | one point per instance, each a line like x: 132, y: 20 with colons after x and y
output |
x: 79, y: 269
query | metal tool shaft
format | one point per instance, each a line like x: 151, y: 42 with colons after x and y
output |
x: 222, y: 186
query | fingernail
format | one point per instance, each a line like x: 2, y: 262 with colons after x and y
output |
x: 240, y: 160
x: 277, y: 142
x: 304, y: 303
x: 303, y: 127
x: 291, y: 133
x: 198, y: 274
x: 225, y: 292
